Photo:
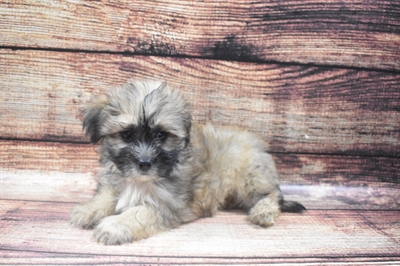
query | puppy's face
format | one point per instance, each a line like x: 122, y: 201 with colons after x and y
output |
x: 142, y: 128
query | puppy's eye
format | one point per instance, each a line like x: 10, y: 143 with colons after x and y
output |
x: 161, y: 135
x: 126, y: 135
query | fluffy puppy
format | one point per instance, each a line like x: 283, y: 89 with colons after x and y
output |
x: 159, y: 170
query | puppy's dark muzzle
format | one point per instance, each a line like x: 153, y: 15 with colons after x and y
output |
x: 145, y: 164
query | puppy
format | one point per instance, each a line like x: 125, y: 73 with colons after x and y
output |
x: 159, y: 170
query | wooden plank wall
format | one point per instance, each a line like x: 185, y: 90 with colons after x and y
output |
x: 318, y: 80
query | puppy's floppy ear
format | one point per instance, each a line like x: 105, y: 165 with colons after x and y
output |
x: 94, y: 117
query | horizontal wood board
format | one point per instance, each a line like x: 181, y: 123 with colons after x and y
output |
x: 46, y: 258
x: 296, y: 109
x: 66, y: 172
x: 41, y: 230
x: 346, y: 33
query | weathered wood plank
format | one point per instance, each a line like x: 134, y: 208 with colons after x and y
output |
x: 47, y: 185
x: 300, y: 169
x: 48, y: 156
x: 295, y: 108
x: 67, y: 173
x: 347, y: 33
x: 338, y: 170
x: 316, y: 236
x: 11, y: 257
x: 47, y: 171
x: 80, y: 187
x: 33, y: 258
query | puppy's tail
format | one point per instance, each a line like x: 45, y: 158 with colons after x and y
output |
x: 291, y: 206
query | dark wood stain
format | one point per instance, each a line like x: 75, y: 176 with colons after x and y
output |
x: 230, y: 48
x: 152, y: 47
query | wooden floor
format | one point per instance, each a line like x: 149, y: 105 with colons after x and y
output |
x: 338, y: 227
x: 318, y: 80
x: 39, y: 233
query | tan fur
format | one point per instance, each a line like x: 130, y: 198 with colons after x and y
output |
x: 195, y: 169
x: 234, y: 165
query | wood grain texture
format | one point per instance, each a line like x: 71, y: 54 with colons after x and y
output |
x: 40, y: 230
x: 48, y: 156
x: 296, y: 109
x: 57, y: 258
x: 60, y: 172
x: 346, y: 33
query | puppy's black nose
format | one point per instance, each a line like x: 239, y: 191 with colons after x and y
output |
x: 145, y: 164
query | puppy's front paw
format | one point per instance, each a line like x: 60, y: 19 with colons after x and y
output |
x: 85, y: 216
x: 111, y: 231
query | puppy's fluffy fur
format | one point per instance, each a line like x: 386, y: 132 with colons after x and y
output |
x: 159, y: 170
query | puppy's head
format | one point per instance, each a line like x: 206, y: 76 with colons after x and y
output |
x: 142, y: 128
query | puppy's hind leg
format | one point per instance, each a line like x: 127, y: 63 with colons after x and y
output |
x: 266, y: 211
x: 264, y: 197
